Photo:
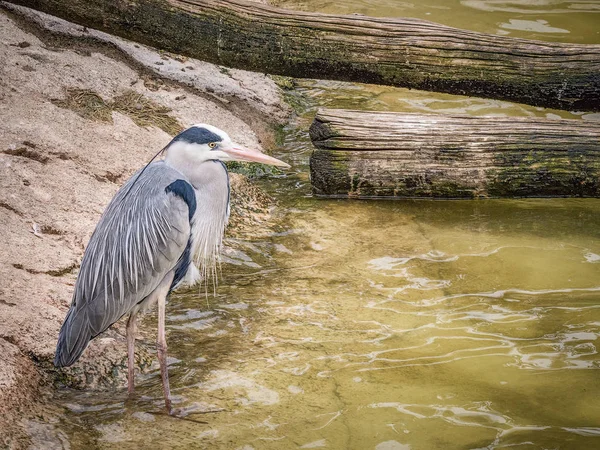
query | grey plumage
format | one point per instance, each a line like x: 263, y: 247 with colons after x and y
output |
x: 137, y: 241
x: 163, y: 228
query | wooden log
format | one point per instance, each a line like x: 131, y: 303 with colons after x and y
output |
x: 384, y: 154
x: 399, y: 52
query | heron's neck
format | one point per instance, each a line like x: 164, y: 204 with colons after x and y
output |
x: 211, y: 183
x: 209, y: 174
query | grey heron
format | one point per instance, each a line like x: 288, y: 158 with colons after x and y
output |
x: 162, y: 229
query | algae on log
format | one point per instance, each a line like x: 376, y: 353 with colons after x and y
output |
x: 400, y: 52
x: 384, y: 154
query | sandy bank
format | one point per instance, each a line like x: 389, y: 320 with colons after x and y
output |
x: 59, y: 169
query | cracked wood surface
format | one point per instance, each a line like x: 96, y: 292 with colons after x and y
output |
x: 402, y: 52
x: 385, y: 154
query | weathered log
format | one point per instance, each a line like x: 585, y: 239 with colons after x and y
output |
x: 400, y: 52
x: 384, y: 154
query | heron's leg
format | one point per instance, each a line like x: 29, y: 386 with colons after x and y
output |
x: 161, y: 346
x: 131, y: 351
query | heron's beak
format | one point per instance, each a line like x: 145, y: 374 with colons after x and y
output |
x: 239, y: 153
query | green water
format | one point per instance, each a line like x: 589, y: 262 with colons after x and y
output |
x: 388, y: 325
x: 575, y: 21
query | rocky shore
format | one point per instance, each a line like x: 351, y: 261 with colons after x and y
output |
x: 80, y: 111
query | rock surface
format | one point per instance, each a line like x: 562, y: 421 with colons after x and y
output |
x: 58, y: 170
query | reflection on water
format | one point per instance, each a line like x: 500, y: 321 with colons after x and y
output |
x: 381, y: 325
x: 538, y: 26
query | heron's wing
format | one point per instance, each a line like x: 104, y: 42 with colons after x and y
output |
x: 139, y: 239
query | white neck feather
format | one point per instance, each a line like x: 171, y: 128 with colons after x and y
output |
x: 211, y: 185
x: 210, y: 220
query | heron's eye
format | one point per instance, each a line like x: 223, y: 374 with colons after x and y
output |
x: 212, y: 144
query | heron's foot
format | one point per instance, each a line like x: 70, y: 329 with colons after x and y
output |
x: 131, y: 400
x: 184, y: 412
x: 177, y: 413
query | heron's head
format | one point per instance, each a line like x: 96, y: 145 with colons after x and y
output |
x: 203, y: 142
